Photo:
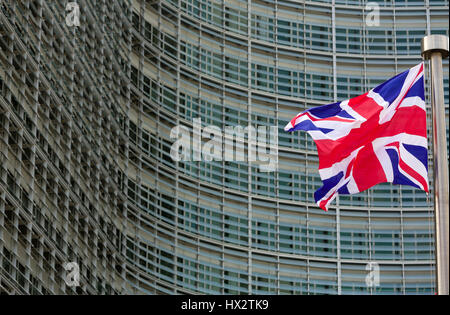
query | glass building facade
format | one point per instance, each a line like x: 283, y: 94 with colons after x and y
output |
x: 86, y: 175
x: 63, y: 100
x: 225, y: 227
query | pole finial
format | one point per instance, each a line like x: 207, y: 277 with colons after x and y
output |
x: 434, y: 43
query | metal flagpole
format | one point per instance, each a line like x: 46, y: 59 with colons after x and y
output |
x: 434, y: 48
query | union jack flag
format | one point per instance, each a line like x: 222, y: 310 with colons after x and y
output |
x: 374, y: 138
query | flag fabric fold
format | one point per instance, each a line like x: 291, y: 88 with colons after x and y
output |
x: 374, y: 138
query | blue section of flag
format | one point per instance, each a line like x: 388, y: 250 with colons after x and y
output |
x: 308, y: 125
x: 390, y: 89
x: 417, y: 90
x: 344, y: 114
x: 326, y: 111
x: 399, y: 178
x: 327, y: 185
x: 419, y: 153
x: 344, y: 190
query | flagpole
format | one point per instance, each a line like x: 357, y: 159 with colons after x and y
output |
x: 434, y: 48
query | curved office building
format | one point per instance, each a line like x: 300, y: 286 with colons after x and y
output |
x: 87, y: 175
x: 226, y: 227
